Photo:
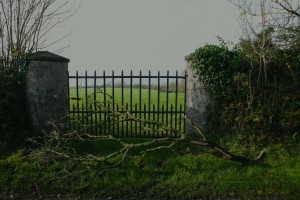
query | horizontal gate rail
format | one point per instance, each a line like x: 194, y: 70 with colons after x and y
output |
x: 99, y: 103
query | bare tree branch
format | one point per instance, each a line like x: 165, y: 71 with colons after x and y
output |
x: 25, y: 25
x: 288, y: 7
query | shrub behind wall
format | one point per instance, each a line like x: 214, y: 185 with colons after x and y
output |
x: 244, y: 102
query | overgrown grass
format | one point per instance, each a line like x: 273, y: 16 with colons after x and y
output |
x: 184, y: 171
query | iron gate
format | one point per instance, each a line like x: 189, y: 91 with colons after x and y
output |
x: 128, y: 105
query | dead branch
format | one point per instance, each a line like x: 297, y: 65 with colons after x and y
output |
x: 58, y: 146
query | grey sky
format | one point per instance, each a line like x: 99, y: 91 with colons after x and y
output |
x: 145, y: 34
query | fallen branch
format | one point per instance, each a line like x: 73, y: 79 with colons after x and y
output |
x: 222, y: 151
x: 58, y: 146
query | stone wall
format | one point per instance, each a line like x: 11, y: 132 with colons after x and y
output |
x: 197, y: 101
x: 47, y: 90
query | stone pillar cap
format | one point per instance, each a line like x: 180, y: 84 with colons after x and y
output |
x: 47, y: 56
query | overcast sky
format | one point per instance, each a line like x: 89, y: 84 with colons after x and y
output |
x: 144, y: 34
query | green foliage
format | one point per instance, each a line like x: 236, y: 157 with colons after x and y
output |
x: 220, y: 69
x: 254, y: 89
x: 217, y: 68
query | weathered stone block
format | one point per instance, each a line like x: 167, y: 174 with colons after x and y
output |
x: 47, y: 90
x: 197, y: 101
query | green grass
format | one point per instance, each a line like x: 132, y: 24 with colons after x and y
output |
x: 183, y: 172
x: 127, y: 94
x: 97, y: 122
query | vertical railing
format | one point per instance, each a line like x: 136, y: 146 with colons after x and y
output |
x: 140, y: 101
x: 149, y: 100
x: 176, y: 100
x: 95, y: 104
x: 131, y: 101
x: 167, y: 102
x: 113, y: 97
x: 122, y: 99
x: 159, y: 100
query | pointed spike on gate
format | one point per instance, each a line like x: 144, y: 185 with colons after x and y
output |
x: 112, y: 72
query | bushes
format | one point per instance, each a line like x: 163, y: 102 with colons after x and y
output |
x: 12, y: 93
x: 243, y: 100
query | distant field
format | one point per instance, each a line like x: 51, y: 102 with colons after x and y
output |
x: 127, y: 94
x: 138, y: 102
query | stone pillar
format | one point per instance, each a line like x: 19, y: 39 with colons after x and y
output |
x: 197, y: 101
x: 47, y: 90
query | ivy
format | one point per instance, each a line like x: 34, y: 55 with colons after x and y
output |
x: 217, y: 68
x: 242, y: 101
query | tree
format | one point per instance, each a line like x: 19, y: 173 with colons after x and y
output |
x: 25, y: 25
x: 260, y: 15
x: 270, y: 49
x: 256, y: 23
x: 290, y: 6
x: 24, y: 28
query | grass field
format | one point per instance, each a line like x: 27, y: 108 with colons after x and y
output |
x: 183, y: 172
x: 145, y: 99
x: 142, y: 104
